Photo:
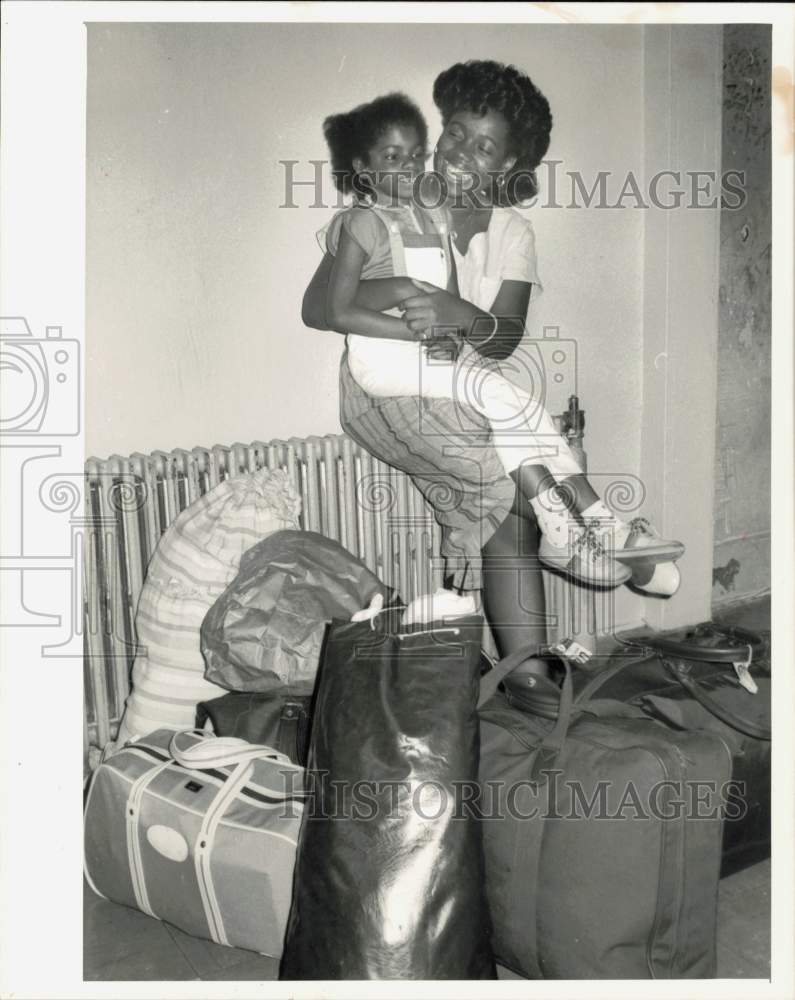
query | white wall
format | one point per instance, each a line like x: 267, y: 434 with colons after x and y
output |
x: 195, y: 274
x: 683, y: 96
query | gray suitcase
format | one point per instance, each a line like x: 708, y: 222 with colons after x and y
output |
x: 200, y: 832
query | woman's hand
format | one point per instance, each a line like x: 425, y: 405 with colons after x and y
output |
x: 434, y: 307
x: 434, y: 312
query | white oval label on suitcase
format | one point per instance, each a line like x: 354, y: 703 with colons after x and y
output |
x: 168, y: 842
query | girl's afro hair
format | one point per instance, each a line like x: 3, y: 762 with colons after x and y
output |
x: 352, y: 134
x: 484, y: 85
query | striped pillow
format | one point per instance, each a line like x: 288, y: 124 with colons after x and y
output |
x: 195, y: 559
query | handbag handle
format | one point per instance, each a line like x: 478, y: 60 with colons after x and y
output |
x: 220, y: 751
x: 679, y: 672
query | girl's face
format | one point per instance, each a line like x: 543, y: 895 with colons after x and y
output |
x: 393, y: 163
x: 473, y: 151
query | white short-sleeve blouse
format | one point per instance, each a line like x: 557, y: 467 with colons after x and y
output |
x: 505, y: 252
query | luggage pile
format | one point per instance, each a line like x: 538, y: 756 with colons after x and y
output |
x: 373, y: 799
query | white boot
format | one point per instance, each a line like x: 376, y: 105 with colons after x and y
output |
x: 662, y: 579
x: 571, y: 548
x: 554, y: 519
x: 637, y: 541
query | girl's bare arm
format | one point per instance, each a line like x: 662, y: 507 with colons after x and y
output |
x: 376, y: 294
x: 343, y: 313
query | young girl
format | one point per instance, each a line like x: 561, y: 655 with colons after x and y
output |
x: 378, y: 152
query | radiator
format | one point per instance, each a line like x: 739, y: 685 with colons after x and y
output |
x: 347, y: 495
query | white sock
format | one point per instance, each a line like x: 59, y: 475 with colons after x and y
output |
x: 439, y: 606
x: 554, y: 519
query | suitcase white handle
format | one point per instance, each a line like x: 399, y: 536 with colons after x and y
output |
x: 220, y: 751
x: 206, y: 753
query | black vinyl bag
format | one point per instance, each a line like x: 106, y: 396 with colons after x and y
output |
x: 389, y: 876
x: 264, y: 633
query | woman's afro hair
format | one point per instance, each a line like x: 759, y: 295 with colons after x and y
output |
x: 483, y: 85
x: 352, y: 134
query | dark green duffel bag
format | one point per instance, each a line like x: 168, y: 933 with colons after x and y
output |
x: 602, y: 835
x: 713, y: 677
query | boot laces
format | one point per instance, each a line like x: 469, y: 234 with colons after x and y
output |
x: 588, y: 545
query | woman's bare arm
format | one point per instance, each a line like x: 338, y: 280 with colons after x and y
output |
x: 434, y: 307
x: 510, y: 307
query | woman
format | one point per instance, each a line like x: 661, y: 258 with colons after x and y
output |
x: 496, y: 127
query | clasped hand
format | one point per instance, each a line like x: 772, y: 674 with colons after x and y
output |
x: 431, y: 315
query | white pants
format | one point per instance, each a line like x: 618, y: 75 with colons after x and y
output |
x: 522, y: 430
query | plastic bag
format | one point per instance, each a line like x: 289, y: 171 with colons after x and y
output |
x: 389, y: 880
x: 265, y: 631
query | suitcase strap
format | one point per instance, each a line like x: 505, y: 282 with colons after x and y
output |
x: 719, y: 644
x: 679, y: 671
x: 133, y: 810
x: 551, y: 745
x: 548, y: 748
x: 567, y: 650
x: 203, y: 848
x: 491, y: 681
x: 222, y: 751
x: 292, y: 719
x: 207, y: 753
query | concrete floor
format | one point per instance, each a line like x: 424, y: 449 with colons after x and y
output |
x: 122, y: 944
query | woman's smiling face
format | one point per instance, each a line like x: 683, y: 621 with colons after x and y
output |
x: 473, y: 150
